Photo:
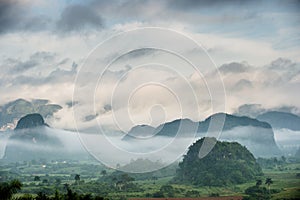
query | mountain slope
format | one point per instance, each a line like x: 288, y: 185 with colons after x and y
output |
x: 33, y: 139
x: 281, y: 120
x: 30, y: 121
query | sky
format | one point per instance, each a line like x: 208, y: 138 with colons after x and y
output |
x: 199, y: 57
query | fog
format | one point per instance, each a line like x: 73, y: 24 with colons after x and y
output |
x: 288, y: 140
x: 3, y: 141
x: 110, y: 149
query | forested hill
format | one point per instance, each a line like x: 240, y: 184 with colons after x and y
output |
x: 228, y: 163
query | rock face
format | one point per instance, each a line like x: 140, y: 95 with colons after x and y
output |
x: 256, y: 135
x: 30, y: 121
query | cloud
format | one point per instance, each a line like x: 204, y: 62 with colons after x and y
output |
x: 196, y: 4
x: 242, y: 84
x: 78, y: 17
x: 34, y: 60
x: 15, y: 15
x: 253, y: 110
x: 234, y: 67
x: 10, y: 15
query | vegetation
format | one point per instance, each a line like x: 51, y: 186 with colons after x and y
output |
x: 69, y: 179
x: 227, y: 164
x: 260, y: 193
x: 8, y: 189
x: 57, y: 176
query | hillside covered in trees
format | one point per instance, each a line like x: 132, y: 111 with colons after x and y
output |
x: 227, y: 163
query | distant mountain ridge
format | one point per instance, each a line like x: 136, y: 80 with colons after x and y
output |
x: 171, y: 128
x: 281, y: 120
x: 258, y: 136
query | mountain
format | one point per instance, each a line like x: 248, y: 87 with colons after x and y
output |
x: 31, y: 121
x: 281, y: 120
x: 12, y: 111
x: 257, y: 136
x: 232, y: 121
x: 226, y: 164
x: 32, y: 139
x: 184, y: 126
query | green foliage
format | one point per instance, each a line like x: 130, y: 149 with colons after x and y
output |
x: 8, y: 189
x: 37, y: 178
x: 192, y: 193
x: 25, y: 197
x: 167, y: 190
x: 257, y: 193
x: 260, y: 193
x: 270, y: 163
x: 227, y: 163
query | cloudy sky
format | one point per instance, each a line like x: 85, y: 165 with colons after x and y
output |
x: 250, y: 55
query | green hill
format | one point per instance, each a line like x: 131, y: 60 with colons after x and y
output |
x: 228, y: 163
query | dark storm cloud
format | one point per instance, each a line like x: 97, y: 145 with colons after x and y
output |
x: 16, y: 16
x: 10, y: 15
x: 77, y: 17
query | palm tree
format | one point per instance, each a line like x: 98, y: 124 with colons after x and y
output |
x: 269, y: 181
x: 8, y: 189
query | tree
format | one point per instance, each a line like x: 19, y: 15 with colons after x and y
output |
x: 8, y: 189
x: 25, y: 197
x: 77, y: 178
x: 37, y: 178
x: 125, y: 178
x: 103, y: 172
x: 57, y: 181
x: 167, y: 190
x: 256, y: 193
x: 154, y: 178
x: 42, y: 196
x: 258, y: 183
x: 268, y: 182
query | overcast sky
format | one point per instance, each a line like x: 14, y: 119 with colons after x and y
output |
x: 254, y: 47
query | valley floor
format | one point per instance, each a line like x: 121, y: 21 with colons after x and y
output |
x: 53, y: 176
